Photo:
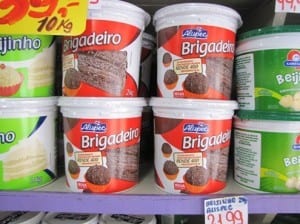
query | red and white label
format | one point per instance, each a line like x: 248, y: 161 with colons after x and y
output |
x: 106, y: 57
x: 189, y: 50
x: 112, y: 144
x: 199, y: 152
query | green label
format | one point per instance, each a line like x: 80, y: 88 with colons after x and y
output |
x: 268, y: 161
x: 27, y: 152
x: 13, y: 130
x: 22, y: 47
x: 269, y: 80
x: 27, y: 66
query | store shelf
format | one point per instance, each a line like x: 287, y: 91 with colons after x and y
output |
x: 146, y: 197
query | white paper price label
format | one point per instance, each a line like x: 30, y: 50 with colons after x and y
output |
x: 292, y: 6
x: 227, y: 210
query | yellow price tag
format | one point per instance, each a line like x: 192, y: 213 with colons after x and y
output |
x: 51, y: 17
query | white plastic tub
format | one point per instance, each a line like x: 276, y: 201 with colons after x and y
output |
x: 267, y: 69
x: 101, y: 142
x: 28, y: 146
x: 104, y: 60
x: 195, y: 50
x: 266, y: 154
x: 192, y: 139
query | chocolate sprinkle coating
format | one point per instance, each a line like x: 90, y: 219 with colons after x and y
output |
x: 73, y: 167
x: 170, y: 167
x: 98, y: 175
x: 197, y: 175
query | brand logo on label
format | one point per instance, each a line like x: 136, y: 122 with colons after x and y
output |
x: 93, y: 127
x: 296, y: 146
x: 198, y: 33
x: 195, y: 128
x: 293, y: 59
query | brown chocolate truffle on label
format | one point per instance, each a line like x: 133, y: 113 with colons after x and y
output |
x: 196, y: 83
x: 69, y: 149
x: 170, y: 169
x: 166, y: 149
x: 197, y: 175
x: 73, y: 169
x: 98, y: 175
x: 170, y: 79
x: 167, y: 59
x: 72, y: 78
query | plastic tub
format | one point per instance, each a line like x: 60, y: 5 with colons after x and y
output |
x: 196, y: 45
x: 28, y: 149
x: 148, y: 46
x: 69, y: 218
x: 27, y: 65
x: 105, y: 59
x: 266, y: 154
x: 267, y: 69
x: 21, y: 217
x: 195, y: 161
x: 101, y: 142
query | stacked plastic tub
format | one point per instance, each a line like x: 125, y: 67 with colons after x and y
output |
x: 100, y: 104
x: 267, y: 128
x: 27, y: 111
x: 193, y: 111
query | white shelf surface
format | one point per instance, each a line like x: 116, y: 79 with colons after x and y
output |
x: 144, y: 198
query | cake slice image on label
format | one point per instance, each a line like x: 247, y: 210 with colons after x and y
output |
x: 42, y: 69
x: 24, y: 159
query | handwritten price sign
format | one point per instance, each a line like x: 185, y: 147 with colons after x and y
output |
x: 292, y: 6
x: 53, y: 17
x: 228, y: 210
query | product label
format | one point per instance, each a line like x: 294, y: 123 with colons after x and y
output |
x: 196, y: 160
x: 191, y: 58
x: 102, y: 155
x: 267, y: 161
x: 103, y: 61
x: 281, y: 69
x: 27, y: 66
x: 27, y: 152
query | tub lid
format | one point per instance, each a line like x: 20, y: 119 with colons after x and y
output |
x: 269, y: 30
x: 106, y: 102
x: 184, y: 103
x: 273, y: 115
x: 21, y: 217
x: 121, y: 6
x: 69, y: 218
x: 27, y: 102
x: 124, y: 219
x: 196, y: 9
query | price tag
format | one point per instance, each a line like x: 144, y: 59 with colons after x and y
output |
x: 292, y: 6
x: 51, y: 17
x: 227, y: 210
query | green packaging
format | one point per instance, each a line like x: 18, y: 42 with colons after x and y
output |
x: 27, y: 65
